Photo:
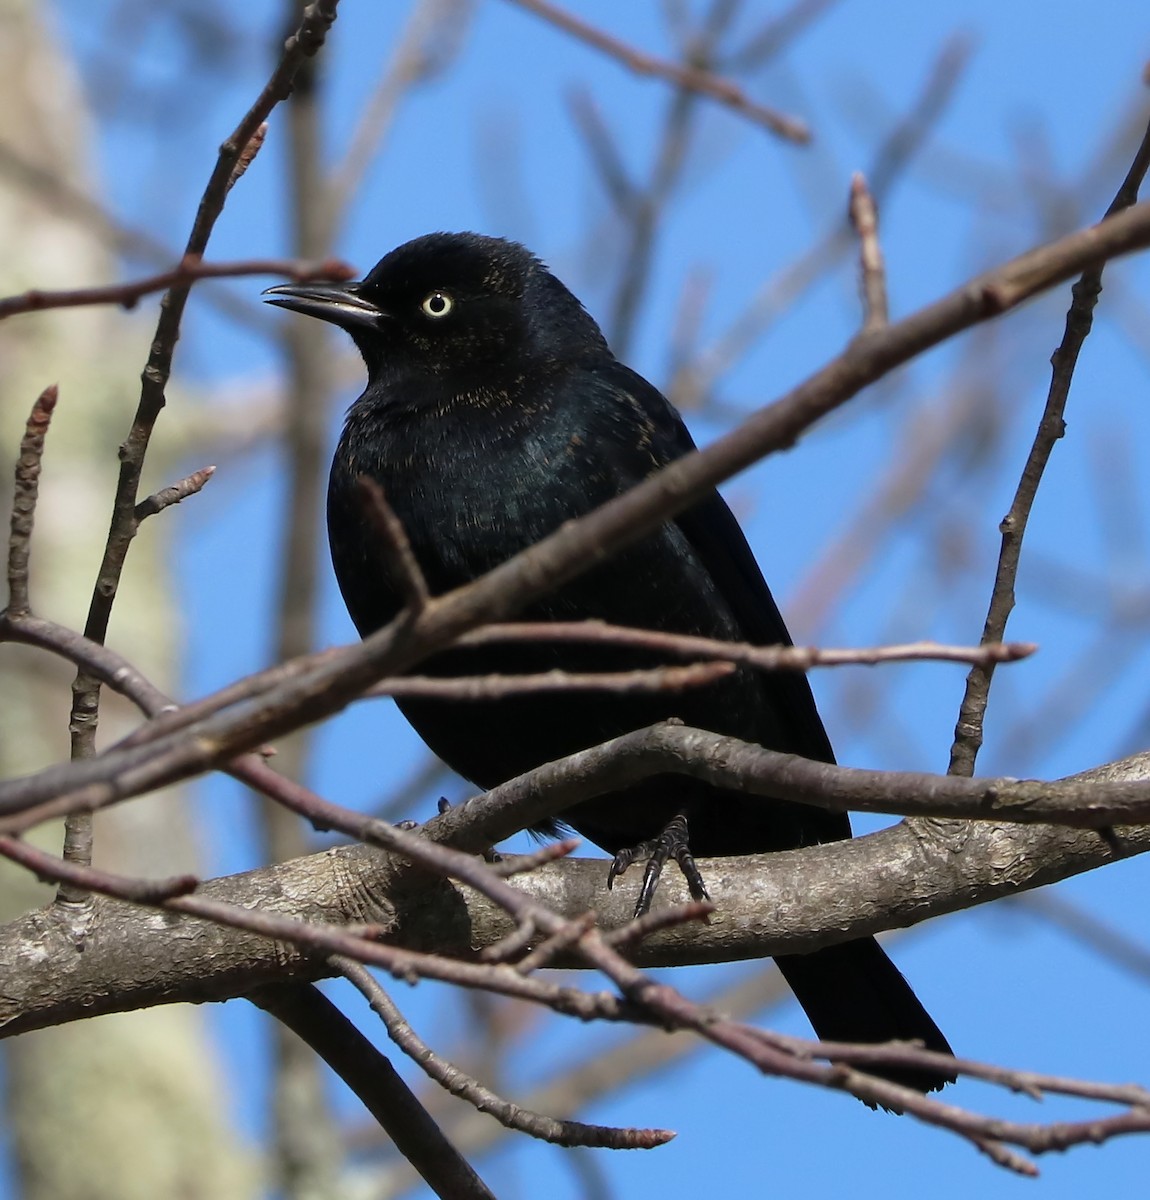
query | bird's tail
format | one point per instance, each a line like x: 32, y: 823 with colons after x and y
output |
x: 853, y: 993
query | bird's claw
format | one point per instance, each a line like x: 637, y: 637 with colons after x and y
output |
x: 671, y: 843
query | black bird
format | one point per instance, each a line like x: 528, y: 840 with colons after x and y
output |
x: 495, y: 411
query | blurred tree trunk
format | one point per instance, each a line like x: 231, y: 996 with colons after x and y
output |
x: 127, y: 1106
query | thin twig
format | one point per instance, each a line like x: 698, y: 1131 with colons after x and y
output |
x: 25, y: 494
x: 606, y: 157
x: 181, y: 490
x: 496, y: 686
x: 334, y: 680
x: 509, y: 865
x: 128, y: 294
x: 459, y: 1083
x: 864, y: 217
x: 925, y: 439
x: 778, y: 294
x: 169, y: 717
x: 58, y: 194
x: 777, y: 33
x: 558, y: 943
x: 109, y: 667
x: 310, y: 1014
x: 1102, y: 937
x: 394, y: 545
x: 643, y: 210
x: 432, y: 37
x: 690, y: 78
x: 513, y: 946
x: 1051, y: 426
x: 84, y: 878
x: 576, y: 1084
x: 642, y: 927
x: 767, y: 658
x: 233, y: 157
x: 314, y: 23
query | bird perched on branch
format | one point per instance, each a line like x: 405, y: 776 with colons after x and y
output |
x: 494, y: 412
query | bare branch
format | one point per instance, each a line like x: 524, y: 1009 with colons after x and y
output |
x: 890, y: 160
x: 642, y: 208
x: 1102, y: 937
x: 314, y: 23
x: 864, y: 217
x: 689, y: 78
x: 395, y: 548
x: 778, y: 32
x: 378, y: 1085
x: 559, y: 944
x: 429, y: 41
x: 576, y: 1084
x: 181, y: 490
x: 459, y: 1083
x: 508, y: 865
x: 236, y: 151
x: 83, y: 878
x: 769, y: 1053
x: 604, y: 153
x: 187, y: 271
x: 649, y: 923
x: 106, y: 665
x: 767, y: 658
x: 1051, y: 425
x: 494, y: 687
x: 553, y: 787
x: 333, y: 680
x: 728, y: 763
x: 26, y: 492
x: 248, y: 154
x: 249, y: 911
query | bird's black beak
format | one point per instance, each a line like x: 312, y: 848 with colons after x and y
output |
x: 339, y: 303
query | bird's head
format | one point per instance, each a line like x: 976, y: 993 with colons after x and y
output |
x: 452, y: 302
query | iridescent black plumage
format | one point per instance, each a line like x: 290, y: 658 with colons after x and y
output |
x: 494, y: 412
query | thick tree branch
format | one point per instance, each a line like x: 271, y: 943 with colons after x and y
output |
x: 133, y: 957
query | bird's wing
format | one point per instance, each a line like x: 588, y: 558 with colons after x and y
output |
x: 716, y: 538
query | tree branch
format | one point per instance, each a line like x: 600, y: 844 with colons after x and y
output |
x: 1051, y: 425
x: 25, y: 495
x: 333, y: 680
x: 312, y: 1017
x: 458, y: 1083
x: 788, y: 902
x: 188, y: 270
x: 689, y: 78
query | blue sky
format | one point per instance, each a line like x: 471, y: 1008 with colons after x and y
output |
x: 490, y: 146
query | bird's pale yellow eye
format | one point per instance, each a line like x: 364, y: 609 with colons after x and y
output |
x: 437, y: 304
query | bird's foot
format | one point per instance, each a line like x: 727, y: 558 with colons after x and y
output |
x: 671, y: 843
